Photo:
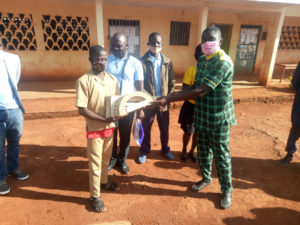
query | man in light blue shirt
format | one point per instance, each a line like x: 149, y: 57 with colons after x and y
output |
x: 129, y: 72
x: 157, y: 62
x: 11, y: 118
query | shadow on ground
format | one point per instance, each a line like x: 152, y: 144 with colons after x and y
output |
x: 263, y: 216
x: 65, y: 168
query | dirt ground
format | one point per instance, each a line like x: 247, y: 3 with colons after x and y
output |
x: 53, y: 153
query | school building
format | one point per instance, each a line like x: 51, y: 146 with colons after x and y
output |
x: 52, y: 37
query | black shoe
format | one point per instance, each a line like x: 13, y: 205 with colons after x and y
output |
x: 4, y: 188
x: 112, y: 163
x: 286, y: 160
x: 192, y: 156
x: 124, y: 167
x: 199, y: 186
x: 183, y: 156
x: 226, y: 200
x: 18, y: 174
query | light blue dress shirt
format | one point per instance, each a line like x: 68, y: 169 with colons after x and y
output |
x: 7, y: 98
x: 157, y: 62
x: 133, y: 71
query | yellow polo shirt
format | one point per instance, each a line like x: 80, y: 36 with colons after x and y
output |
x: 91, y: 93
x: 189, y: 78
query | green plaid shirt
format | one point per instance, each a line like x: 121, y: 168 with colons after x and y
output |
x: 216, y: 107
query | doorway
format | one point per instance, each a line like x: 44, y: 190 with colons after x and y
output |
x: 226, y: 30
x: 247, y: 49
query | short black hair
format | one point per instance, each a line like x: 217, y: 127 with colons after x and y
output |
x: 118, y: 34
x: 153, y: 34
x: 96, y: 49
x: 213, y: 30
x: 198, y: 52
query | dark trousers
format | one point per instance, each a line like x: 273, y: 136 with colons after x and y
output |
x: 163, y: 120
x: 124, y: 130
x: 291, y: 147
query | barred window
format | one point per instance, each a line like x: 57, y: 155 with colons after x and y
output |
x: 289, y: 38
x: 130, y: 28
x: 17, y: 31
x: 180, y: 33
x: 66, y: 33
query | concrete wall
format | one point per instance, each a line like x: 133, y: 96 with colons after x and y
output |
x: 154, y: 19
x: 64, y: 65
x: 49, y: 65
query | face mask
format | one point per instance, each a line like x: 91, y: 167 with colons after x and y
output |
x: 210, y: 47
x: 100, y: 67
x: 155, y: 50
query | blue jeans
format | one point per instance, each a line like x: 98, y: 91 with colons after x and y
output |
x: 11, y: 126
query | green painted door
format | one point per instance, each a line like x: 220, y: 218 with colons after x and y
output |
x: 247, y: 49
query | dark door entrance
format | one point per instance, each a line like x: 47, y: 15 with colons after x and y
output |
x: 226, y: 30
x: 247, y: 49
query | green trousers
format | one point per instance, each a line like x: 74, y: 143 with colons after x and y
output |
x: 214, y: 144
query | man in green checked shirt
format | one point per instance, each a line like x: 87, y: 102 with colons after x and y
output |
x: 214, y: 112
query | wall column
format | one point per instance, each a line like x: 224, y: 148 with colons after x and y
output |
x: 274, y: 31
x: 235, y: 37
x: 202, y: 22
x: 99, y: 22
x: 39, y: 33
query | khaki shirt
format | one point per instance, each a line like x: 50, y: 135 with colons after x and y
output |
x: 91, y: 93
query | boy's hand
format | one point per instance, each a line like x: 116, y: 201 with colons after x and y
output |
x: 112, y: 119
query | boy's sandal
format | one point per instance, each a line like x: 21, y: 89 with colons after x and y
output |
x: 97, y: 205
x: 110, y: 186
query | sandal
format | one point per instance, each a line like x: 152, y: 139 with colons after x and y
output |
x: 97, y: 205
x: 110, y: 186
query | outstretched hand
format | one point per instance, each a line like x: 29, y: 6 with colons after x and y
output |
x: 161, y: 101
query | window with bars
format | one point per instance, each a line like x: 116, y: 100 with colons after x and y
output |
x: 115, y: 22
x: 17, y: 31
x: 66, y: 33
x: 180, y: 33
x: 130, y: 28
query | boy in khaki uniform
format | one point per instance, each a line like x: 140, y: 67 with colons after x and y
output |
x: 91, y: 90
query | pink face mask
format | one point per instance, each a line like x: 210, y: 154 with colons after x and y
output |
x: 210, y: 47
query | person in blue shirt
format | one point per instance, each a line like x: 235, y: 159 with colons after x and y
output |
x: 129, y: 72
x: 11, y: 118
x: 294, y: 135
x: 159, y: 81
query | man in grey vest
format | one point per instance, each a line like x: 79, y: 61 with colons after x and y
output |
x: 11, y: 118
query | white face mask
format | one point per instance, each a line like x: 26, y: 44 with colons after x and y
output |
x: 155, y: 49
